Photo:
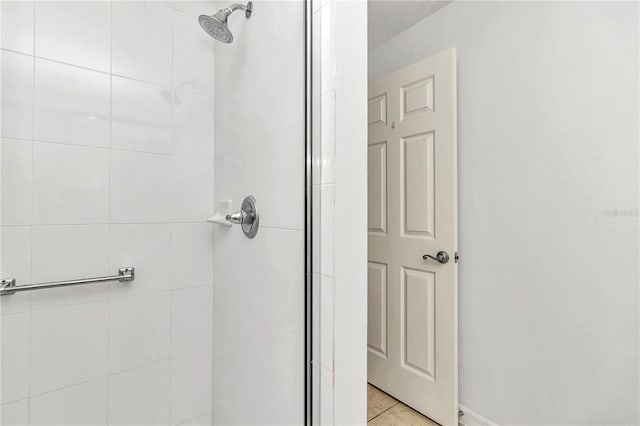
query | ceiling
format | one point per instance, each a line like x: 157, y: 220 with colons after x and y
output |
x: 388, y: 18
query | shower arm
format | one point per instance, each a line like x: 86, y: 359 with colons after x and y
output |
x: 237, y: 6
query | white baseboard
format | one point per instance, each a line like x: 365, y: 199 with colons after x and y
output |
x: 470, y: 418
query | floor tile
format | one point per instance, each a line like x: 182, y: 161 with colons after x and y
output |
x: 401, y: 415
x: 377, y: 402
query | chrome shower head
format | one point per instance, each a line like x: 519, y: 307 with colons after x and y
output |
x: 216, y: 25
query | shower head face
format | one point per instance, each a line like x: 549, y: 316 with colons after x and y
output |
x: 216, y: 27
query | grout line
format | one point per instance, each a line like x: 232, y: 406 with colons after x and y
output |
x: 118, y: 149
x: 381, y: 413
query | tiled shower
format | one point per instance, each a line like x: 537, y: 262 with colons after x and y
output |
x: 108, y: 160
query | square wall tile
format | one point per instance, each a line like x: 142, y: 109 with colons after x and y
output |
x: 16, y: 26
x: 15, y: 413
x: 15, y: 356
x: 192, y: 55
x: 15, y: 262
x: 192, y: 254
x: 142, y: 42
x: 141, y: 116
x: 192, y: 189
x: 191, y: 320
x: 75, y: 32
x: 70, y: 252
x: 146, y: 247
x: 139, y: 330
x: 16, y: 99
x: 71, y: 104
x: 81, y: 405
x: 140, y: 187
x: 69, y: 345
x: 141, y: 396
x: 191, y: 382
x: 70, y: 184
x: 193, y: 119
x: 16, y: 182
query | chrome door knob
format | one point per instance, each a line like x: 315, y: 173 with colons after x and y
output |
x: 441, y: 256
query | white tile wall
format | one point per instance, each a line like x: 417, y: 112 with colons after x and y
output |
x: 142, y: 42
x: 192, y: 69
x: 16, y: 99
x: 323, y: 135
x: 191, y: 325
x: 192, y: 255
x: 191, y: 386
x: 16, y: 26
x: 59, y: 197
x: 68, y: 252
x: 141, y: 116
x: 74, y: 32
x: 79, y: 405
x: 15, y: 357
x: 140, y: 187
x: 15, y: 413
x: 148, y: 248
x: 192, y: 124
x: 17, y: 157
x: 71, y: 104
x: 191, y: 189
x: 68, y: 345
x: 15, y: 261
x: 139, y: 330
x: 141, y: 396
x: 101, y: 171
x: 339, y: 91
x: 350, y: 247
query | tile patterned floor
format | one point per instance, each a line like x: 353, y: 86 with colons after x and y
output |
x: 383, y: 410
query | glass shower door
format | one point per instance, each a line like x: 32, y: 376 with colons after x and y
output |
x: 259, y: 287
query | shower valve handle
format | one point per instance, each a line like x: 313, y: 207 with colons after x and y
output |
x: 238, y: 218
x: 247, y: 217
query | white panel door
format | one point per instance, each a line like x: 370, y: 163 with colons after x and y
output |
x: 412, y: 301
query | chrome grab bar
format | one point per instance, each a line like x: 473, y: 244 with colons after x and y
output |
x: 8, y: 285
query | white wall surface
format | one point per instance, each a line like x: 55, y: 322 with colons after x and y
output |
x: 259, y: 283
x: 548, y: 204
x: 107, y: 161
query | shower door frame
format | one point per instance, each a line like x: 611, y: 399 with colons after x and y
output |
x: 308, y: 214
